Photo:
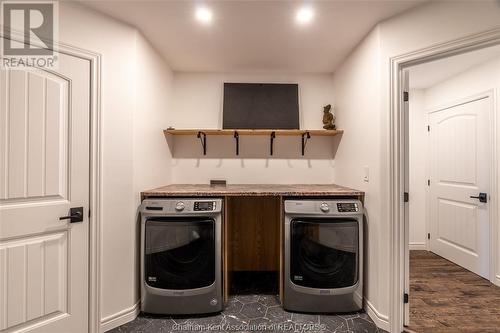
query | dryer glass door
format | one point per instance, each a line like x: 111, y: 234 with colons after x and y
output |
x: 179, y: 253
x: 324, y: 253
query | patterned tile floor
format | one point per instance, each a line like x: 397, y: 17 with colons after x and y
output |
x: 253, y: 313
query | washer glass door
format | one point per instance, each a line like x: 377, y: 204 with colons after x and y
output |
x: 179, y: 252
x: 324, y: 252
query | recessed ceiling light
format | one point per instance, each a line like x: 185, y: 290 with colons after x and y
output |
x: 304, y: 15
x: 204, y: 15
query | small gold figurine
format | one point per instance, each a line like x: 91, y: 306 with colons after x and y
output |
x: 328, y: 118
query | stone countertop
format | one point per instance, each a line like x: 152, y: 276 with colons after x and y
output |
x: 251, y: 190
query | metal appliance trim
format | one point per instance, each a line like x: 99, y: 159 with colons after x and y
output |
x: 309, y: 212
x: 216, y: 215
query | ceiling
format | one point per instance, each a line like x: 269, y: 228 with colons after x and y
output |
x: 254, y: 35
x: 431, y: 73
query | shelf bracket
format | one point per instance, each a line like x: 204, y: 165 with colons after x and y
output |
x: 237, y: 138
x: 273, y: 136
x: 305, y: 137
x: 203, y: 139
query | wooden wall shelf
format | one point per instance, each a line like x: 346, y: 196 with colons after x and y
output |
x: 202, y: 135
x: 315, y: 132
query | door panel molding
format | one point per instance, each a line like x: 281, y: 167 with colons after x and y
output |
x: 42, y: 279
x: 465, y: 100
x: 41, y: 146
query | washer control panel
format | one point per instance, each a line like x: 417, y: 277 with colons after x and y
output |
x: 204, y: 206
x: 347, y: 207
x: 196, y: 206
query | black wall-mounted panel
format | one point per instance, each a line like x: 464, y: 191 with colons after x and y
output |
x: 261, y: 106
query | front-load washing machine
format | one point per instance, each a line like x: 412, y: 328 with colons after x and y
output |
x: 181, y: 256
x: 323, y: 256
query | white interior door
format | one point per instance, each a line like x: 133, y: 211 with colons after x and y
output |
x: 44, y: 170
x: 460, y: 169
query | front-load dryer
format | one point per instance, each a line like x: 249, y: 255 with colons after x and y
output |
x: 323, y: 256
x: 181, y: 256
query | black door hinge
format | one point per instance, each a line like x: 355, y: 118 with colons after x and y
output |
x: 428, y: 182
x: 406, y: 298
x: 428, y: 128
x: 406, y: 197
x: 428, y: 236
x: 406, y: 96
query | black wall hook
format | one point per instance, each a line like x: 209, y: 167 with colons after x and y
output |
x: 273, y: 136
x: 237, y: 138
x: 305, y: 137
x: 203, y: 138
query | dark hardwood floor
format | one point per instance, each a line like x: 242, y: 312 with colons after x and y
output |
x: 445, y: 297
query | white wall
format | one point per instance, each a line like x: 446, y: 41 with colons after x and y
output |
x: 476, y: 80
x: 432, y: 23
x: 197, y: 103
x: 151, y: 156
x: 135, y: 94
x: 418, y: 170
x: 357, y: 91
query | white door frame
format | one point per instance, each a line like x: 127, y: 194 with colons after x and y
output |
x: 396, y: 163
x: 95, y: 185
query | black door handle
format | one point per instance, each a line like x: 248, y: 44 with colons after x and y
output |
x: 75, y: 215
x: 483, y: 197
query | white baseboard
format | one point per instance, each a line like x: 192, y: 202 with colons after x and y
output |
x: 418, y: 246
x: 382, y: 321
x: 120, y: 318
x: 496, y: 281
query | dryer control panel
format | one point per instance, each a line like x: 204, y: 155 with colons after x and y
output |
x: 204, y: 206
x: 325, y: 207
x: 347, y: 207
